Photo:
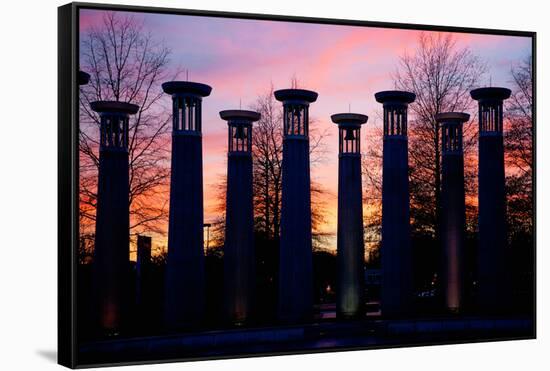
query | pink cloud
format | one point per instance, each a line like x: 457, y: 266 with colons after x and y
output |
x: 346, y: 65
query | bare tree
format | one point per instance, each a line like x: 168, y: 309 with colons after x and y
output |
x: 127, y: 64
x: 268, y: 157
x: 371, y: 164
x: 441, y: 74
x: 518, y: 143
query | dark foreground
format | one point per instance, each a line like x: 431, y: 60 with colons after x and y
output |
x: 323, y: 336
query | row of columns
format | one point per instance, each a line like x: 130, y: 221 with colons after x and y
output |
x: 491, y: 281
x: 185, y: 273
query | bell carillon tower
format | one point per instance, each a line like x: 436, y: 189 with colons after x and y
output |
x: 453, y: 210
x: 112, y: 238
x: 350, y: 292
x: 239, y: 257
x: 295, y: 263
x: 492, y: 286
x: 396, y: 255
x: 185, y: 280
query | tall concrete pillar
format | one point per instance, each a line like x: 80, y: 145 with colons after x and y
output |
x: 295, y: 259
x: 111, y: 251
x: 492, y: 285
x: 453, y: 218
x: 396, y: 255
x: 350, y: 291
x: 239, y: 257
x: 185, y: 280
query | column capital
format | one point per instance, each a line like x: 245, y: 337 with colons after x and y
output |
x: 349, y: 119
x: 395, y: 97
x: 349, y: 129
x: 114, y: 107
x: 186, y: 106
x: 296, y: 111
x: 451, y: 131
x: 186, y: 87
x: 113, y: 130
x: 298, y: 96
x: 240, y: 115
x: 490, y: 93
x: 395, y: 103
x: 451, y: 118
x: 490, y: 103
x: 239, y: 125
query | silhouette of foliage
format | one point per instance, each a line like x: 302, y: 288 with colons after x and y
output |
x: 441, y: 74
x: 518, y: 142
x: 126, y: 63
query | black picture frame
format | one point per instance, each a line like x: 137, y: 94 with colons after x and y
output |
x: 68, y: 169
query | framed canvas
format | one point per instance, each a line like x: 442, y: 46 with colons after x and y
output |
x: 234, y: 185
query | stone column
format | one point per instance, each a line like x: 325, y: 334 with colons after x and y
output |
x: 492, y: 286
x: 185, y: 280
x: 350, y: 291
x: 295, y: 263
x: 453, y: 218
x: 111, y: 252
x: 396, y: 255
x: 239, y: 258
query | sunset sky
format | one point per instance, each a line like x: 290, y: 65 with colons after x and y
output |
x: 346, y: 65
